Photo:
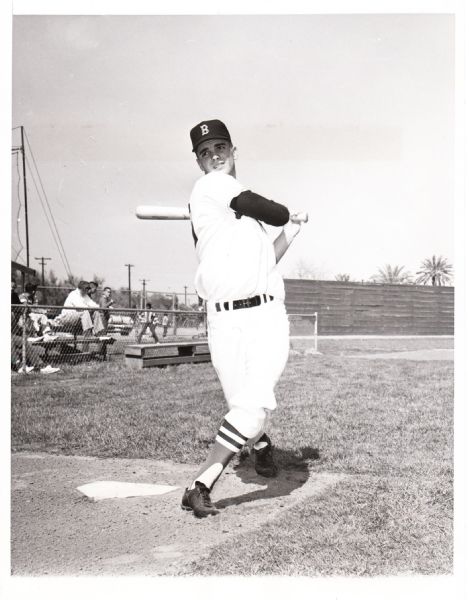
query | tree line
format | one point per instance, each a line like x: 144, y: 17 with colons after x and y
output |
x: 436, y: 271
x: 55, y: 290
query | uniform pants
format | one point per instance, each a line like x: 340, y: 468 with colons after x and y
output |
x: 249, y: 350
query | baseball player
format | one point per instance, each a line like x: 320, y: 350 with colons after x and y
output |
x: 248, y: 330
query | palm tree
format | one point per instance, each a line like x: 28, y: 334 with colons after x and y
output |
x: 393, y: 275
x: 437, y: 270
x: 342, y: 277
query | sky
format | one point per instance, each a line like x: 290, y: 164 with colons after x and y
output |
x: 347, y: 117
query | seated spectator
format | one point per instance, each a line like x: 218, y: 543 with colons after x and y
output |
x: 101, y: 320
x: 15, y: 299
x: 29, y: 294
x: 93, y: 288
x: 38, y: 302
x: 148, y: 322
x: 40, y: 322
x: 77, y: 299
x: 34, y: 358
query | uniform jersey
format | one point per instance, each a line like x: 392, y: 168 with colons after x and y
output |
x: 236, y: 256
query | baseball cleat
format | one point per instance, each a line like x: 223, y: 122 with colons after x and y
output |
x: 264, y: 460
x: 198, y: 500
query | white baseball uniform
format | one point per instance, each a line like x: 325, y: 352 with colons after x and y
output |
x: 249, y: 346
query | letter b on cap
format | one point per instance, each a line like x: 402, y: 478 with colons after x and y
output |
x: 208, y: 130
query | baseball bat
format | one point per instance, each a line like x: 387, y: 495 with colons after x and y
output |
x: 177, y: 213
x: 162, y: 213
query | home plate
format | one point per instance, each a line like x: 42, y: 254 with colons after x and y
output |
x: 100, y: 490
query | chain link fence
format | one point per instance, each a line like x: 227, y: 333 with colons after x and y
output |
x: 45, y: 336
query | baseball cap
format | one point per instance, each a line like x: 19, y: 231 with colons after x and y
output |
x: 209, y: 130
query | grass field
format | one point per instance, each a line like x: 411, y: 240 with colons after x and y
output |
x: 386, y: 424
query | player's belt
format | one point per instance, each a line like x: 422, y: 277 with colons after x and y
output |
x: 245, y: 303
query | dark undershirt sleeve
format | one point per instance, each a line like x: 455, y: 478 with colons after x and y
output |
x: 252, y: 205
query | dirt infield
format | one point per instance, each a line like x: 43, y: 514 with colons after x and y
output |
x: 58, y: 531
x: 431, y: 354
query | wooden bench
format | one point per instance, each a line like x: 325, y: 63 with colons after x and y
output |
x: 141, y: 356
x: 73, y: 346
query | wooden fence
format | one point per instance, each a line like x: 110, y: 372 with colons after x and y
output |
x: 373, y: 309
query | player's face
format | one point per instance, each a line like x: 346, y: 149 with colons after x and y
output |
x: 216, y: 155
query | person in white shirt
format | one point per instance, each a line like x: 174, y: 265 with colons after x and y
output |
x: 149, y: 322
x: 248, y: 329
x: 77, y: 299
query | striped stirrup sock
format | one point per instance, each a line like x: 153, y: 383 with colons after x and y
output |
x: 230, y: 437
x: 228, y: 442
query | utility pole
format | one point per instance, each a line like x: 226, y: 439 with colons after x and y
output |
x: 130, y: 286
x: 25, y: 197
x: 175, y: 316
x: 144, y: 294
x: 42, y: 262
x: 185, y: 295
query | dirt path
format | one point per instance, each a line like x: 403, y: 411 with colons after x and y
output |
x: 57, y: 531
x: 428, y: 354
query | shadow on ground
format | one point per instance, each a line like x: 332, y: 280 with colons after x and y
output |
x: 57, y: 531
x: 293, y: 473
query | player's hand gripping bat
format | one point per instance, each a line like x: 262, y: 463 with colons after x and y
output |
x: 299, y: 218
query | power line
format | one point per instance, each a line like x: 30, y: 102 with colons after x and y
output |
x: 52, y: 227
x: 67, y: 266
x: 54, y: 236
